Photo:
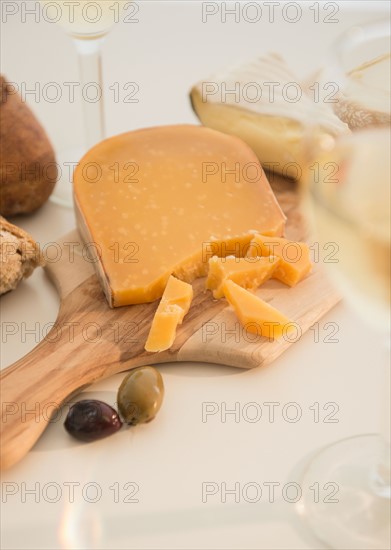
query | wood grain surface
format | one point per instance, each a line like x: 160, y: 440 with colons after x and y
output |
x: 91, y: 341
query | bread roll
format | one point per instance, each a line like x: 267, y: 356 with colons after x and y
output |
x: 19, y: 255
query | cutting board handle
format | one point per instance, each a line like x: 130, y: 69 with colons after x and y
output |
x: 32, y: 390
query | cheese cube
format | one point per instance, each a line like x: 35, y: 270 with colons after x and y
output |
x: 254, y: 314
x: 295, y: 261
x: 247, y: 272
x: 174, y: 305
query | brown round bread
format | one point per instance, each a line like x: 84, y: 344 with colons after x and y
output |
x: 28, y: 170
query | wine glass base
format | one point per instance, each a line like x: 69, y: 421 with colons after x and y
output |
x: 343, y: 503
x: 63, y: 192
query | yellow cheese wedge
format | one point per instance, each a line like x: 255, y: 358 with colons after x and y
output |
x: 295, y: 261
x: 174, y: 305
x: 163, y: 200
x: 254, y: 314
x: 247, y: 272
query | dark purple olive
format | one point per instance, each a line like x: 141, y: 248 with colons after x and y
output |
x: 90, y: 419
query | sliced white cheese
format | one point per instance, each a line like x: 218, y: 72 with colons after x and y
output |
x: 264, y: 104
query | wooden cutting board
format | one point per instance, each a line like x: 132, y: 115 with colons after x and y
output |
x: 90, y: 341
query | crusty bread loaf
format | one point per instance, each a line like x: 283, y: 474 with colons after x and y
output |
x: 19, y: 255
x: 28, y: 169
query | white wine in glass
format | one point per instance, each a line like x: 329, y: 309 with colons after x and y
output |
x: 83, y: 18
x: 351, y: 207
x: 87, y: 23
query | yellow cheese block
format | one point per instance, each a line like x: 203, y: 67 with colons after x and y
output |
x: 163, y: 200
x: 174, y: 305
x: 295, y: 261
x: 248, y: 272
x: 254, y: 314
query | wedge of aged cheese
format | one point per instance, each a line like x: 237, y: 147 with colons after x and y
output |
x: 250, y: 272
x: 163, y: 200
x: 294, y: 256
x: 174, y: 305
x: 264, y: 104
x: 254, y: 314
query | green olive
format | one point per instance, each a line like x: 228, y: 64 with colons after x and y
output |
x: 140, y: 395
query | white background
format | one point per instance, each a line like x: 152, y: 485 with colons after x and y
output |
x: 166, y: 53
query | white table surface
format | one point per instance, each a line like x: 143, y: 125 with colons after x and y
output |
x: 169, y: 460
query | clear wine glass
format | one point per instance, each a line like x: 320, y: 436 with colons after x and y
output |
x: 87, y: 23
x: 349, y: 191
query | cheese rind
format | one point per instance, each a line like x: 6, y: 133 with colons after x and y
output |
x: 151, y: 200
x: 174, y: 305
x: 294, y: 256
x: 365, y: 100
x: 255, y: 315
x: 249, y: 273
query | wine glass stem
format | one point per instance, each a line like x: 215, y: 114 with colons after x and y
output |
x: 91, y: 85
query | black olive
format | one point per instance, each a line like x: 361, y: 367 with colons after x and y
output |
x: 91, y: 419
